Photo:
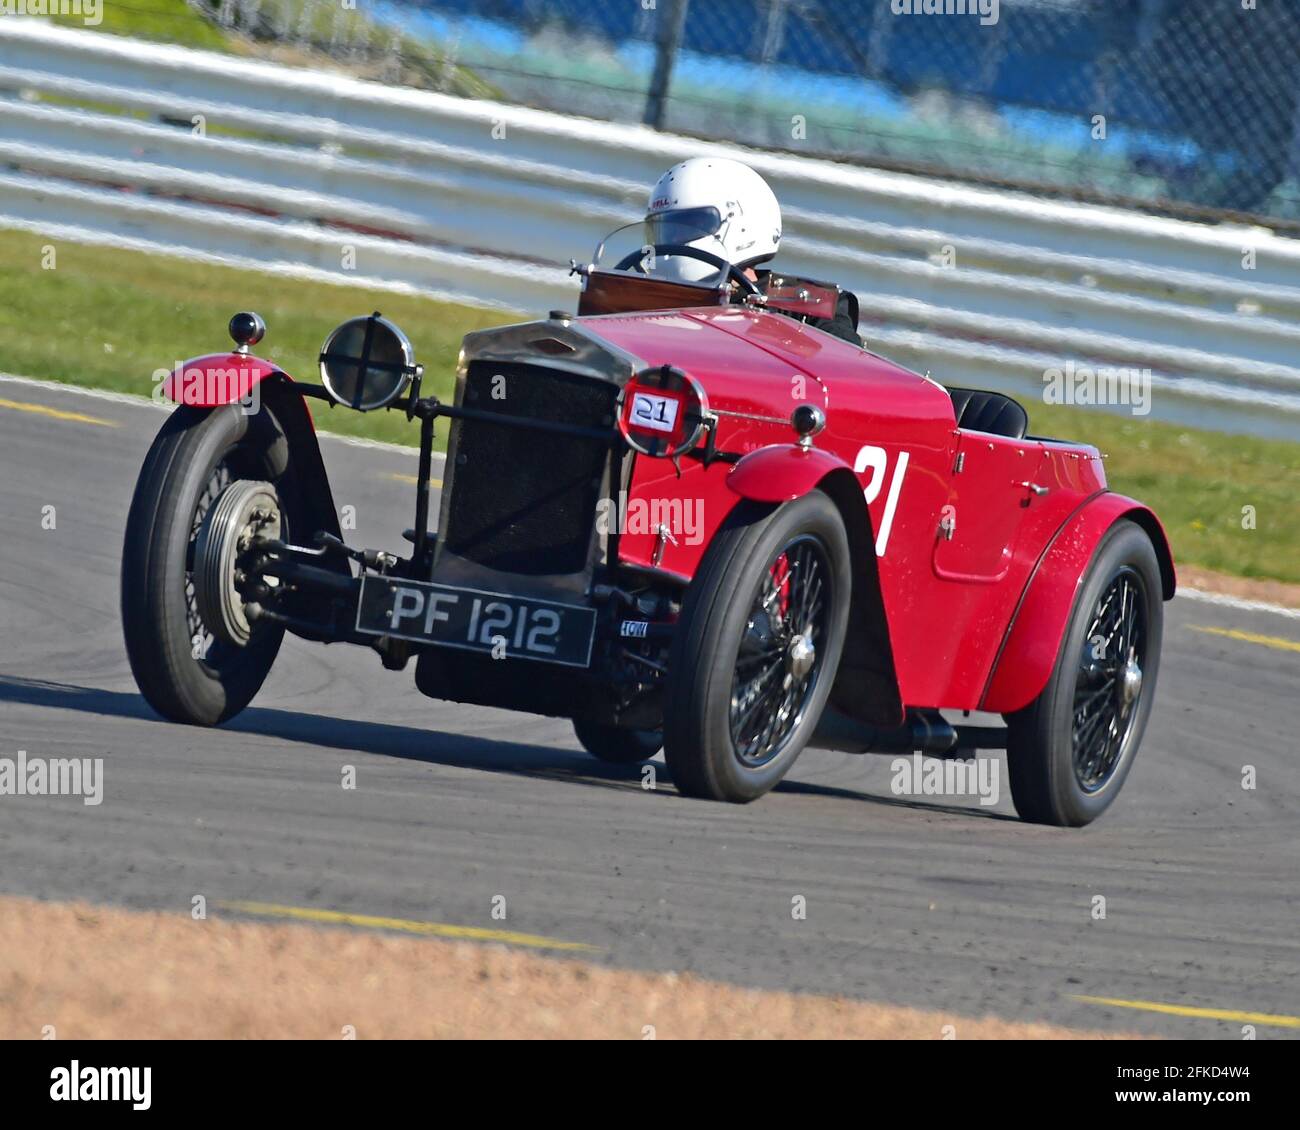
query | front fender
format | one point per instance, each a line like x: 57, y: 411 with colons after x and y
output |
x: 1033, y: 639
x: 219, y: 378
x: 258, y: 385
x: 782, y: 472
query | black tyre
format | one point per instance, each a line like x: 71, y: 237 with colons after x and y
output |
x: 761, y: 633
x: 617, y: 746
x: 1070, y: 750
x: 184, y: 672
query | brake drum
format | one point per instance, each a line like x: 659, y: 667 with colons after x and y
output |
x: 242, y: 511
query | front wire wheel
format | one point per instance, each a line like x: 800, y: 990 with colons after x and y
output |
x: 201, y: 638
x: 777, y: 665
x: 183, y: 670
x: 757, y: 647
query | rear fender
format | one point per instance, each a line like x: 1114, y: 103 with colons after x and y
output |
x: 1033, y: 639
x: 257, y: 386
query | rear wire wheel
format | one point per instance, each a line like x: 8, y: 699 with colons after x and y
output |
x: 185, y: 672
x: 1070, y: 750
x: 757, y: 648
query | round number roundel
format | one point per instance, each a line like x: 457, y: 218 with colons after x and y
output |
x: 662, y: 412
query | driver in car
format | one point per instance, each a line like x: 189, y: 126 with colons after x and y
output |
x: 726, y: 210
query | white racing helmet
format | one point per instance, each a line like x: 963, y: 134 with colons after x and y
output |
x: 717, y: 205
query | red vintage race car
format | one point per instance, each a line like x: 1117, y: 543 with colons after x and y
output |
x: 684, y: 518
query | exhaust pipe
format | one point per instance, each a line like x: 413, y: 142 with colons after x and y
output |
x: 923, y: 731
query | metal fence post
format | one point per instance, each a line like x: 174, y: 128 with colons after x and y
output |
x: 668, y: 38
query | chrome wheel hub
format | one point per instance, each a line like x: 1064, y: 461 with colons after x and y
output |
x: 1131, y: 682
x: 1108, y: 686
x: 800, y: 656
x: 243, y: 511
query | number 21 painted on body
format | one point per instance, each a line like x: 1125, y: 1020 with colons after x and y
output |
x: 874, y: 459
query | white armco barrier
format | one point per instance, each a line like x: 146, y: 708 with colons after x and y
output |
x: 303, y: 171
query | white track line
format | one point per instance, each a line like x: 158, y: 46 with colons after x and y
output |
x: 138, y: 400
x: 133, y: 398
x: 1240, y: 603
x: 1222, y: 599
x: 378, y: 444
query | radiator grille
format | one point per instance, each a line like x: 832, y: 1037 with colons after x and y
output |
x: 523, y: 501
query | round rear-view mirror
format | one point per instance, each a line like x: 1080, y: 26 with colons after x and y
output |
x: 367, y: 363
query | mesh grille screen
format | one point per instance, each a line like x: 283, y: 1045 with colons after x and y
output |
x: 523, y: 501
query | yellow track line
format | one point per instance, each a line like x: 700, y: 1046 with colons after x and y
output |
x: 401, y: 478
x: 431, y: 929
x: 1196, y: 1013
x: 55, y: 413
x: 1249, y: 637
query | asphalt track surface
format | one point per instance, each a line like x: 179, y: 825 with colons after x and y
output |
x: 944, y: 905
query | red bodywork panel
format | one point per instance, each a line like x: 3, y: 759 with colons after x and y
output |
x: 949, y: 600
x: 1040, y: 619
x: 781, y: 472
x: 980, y: 540
x: 219, y: 378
